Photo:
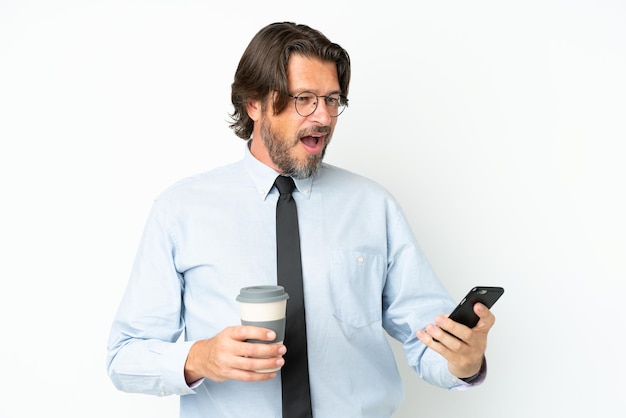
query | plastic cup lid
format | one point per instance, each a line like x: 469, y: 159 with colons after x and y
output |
x: 262, y: 294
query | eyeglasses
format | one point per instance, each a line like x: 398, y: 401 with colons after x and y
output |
x: 306, y: 103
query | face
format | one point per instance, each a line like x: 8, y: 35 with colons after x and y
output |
x: 291, y: 144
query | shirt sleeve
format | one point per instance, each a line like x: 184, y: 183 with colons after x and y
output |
x: 413, y: 296
x: 143, y: 353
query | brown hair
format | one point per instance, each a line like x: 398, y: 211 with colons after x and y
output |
x: 263, y: 68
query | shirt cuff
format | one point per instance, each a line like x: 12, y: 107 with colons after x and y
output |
x: 197, y: 383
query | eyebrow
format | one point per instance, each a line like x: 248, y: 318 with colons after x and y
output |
x: 298, y: 91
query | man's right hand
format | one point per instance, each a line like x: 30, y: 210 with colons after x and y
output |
x: 227, y: 356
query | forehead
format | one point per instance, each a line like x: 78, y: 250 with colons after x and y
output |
x: 311, y: 74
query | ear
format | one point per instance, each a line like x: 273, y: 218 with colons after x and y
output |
x: 253, y: 107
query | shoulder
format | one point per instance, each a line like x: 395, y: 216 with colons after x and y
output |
x: 206, y: 183
x: 338, y: 177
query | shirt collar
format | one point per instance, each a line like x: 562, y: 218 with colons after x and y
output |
x: 264, y: 176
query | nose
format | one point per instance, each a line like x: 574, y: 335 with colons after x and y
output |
x: 321, y: 113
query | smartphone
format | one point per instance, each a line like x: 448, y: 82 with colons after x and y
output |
x: 464, y: 312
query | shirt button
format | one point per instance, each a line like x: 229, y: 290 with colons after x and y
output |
x: 359, y: 259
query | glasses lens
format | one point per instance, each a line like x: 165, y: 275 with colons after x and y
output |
x: 306, y: 103
x: 341, y: 102
x: 335, y: 104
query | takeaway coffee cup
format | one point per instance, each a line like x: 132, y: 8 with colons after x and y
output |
x: 264, y: 306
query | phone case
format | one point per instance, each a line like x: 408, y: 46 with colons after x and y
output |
x: 464, y: 312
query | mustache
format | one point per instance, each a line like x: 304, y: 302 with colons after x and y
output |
x: 317, y: 130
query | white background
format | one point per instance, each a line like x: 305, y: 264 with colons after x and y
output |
x: 499, y: 126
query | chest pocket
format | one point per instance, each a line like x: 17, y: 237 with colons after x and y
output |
x: 356, y: 282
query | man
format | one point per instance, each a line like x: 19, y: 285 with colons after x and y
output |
x: 363, y: 272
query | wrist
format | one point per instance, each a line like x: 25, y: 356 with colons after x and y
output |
x: 480, y: 372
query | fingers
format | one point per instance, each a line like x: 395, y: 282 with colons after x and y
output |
x: 247, y: 332
x: 440, y: 340
x: 446, y: 334
x: 230, y: 356
x: 244, y: 352
x: 487, y: 318
x: 463, y: 347
x: 485, y: 322
x: 463, y: 359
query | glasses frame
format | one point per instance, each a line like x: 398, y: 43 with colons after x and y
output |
x: 317, y: 100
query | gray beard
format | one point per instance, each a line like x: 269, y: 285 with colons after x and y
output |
x: 279, y: 150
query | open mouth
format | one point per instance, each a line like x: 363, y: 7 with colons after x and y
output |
x: 314, y: 143
x: 310, y: 141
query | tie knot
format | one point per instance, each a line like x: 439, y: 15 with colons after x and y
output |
x: 284, y: 184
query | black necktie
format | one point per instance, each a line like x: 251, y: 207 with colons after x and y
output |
x: 295, y: 372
